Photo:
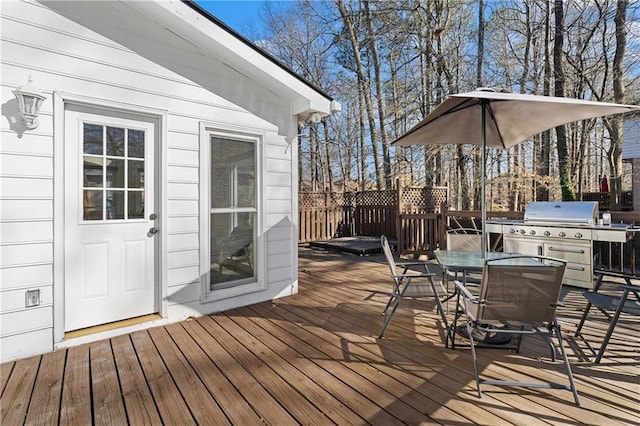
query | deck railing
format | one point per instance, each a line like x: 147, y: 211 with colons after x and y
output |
x: 418, y: 219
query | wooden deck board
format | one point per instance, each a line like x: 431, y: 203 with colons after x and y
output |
x: 223, y: 391
x: 172, y: 407
x: 44, y: 407
x: 397, y: 355
x: 5, y: 372
x: 257, y: 397
x: 138, y: 401
x: 15, y: 399
x: 315, y: 358
x: 76, y: 405
x: 203, y: 408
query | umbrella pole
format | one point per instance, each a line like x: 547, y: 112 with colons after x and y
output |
x: 483, y: 190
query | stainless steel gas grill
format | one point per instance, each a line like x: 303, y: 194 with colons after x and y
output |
x: 564, y: 230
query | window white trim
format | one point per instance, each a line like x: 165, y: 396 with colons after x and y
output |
x: 207, y: 130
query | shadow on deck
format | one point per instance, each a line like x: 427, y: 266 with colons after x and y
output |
x: 314, y: 358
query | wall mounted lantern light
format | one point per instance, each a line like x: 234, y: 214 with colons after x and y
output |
x: 29, y: 99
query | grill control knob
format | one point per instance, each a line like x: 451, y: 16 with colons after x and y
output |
x: 512, y: 231
x: 532, y: 232
x: 547, y: 233
x: 562, y: 234
x: 578, y: 235
x: 522, y: 231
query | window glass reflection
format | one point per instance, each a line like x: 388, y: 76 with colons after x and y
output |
x: 232, y: 247
x: 92, y: 139
x: 92, y: 205
x: 113, y: 177
x: 115, y: 173
x: 115, y: 205
x: 233, y: 165
x: 115, y: 141
x: 136, y: 205
x: 136, y: 174
x: 93, y: 174
x: 136, y: 143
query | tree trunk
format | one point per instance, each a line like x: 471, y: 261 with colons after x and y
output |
x: 615, y: 127
x: 366, y: 91
x: 373, y: 47
x: 561, y: 135
x: 542, y: 189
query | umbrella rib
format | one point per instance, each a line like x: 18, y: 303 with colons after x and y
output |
x: 493, y: 120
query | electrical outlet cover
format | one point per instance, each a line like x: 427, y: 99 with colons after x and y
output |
x: 32, y: 298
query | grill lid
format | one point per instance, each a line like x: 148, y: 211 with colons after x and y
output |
x: 558, y: 212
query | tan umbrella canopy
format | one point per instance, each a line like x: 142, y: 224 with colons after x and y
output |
x: 493, y: 117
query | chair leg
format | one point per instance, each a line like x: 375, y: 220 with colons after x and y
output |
x: 612, y: 325
x: 582, y: 320
x: 567, y: 366
x: 439, y: 307
x: 393, y: 295
x: 596, y: 287
x: 394, y: 300
x: 474, y: 358
x: 451, y: 332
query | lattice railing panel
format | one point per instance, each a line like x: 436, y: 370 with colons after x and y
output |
x: 376, y: 198
x: 422, y: 200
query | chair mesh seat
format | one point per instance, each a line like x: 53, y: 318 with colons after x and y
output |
x: 611, y: 303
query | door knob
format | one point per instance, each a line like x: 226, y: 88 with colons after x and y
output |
x: 153, y: 230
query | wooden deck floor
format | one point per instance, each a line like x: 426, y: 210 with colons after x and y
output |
x: 314, y: 359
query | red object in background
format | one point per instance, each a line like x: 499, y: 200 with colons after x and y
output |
x: 604, y: 184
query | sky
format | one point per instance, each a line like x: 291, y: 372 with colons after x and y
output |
x: 239, y: 14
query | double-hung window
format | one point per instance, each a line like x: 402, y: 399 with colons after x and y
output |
x: 233, y: 214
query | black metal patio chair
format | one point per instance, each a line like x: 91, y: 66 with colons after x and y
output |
x: 625, y: 298
x: 409, y: 283
x: 518, y: 297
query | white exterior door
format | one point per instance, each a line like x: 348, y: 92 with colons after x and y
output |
x: 110, y: 218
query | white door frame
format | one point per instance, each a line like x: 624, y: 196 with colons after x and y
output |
x: 60, y: 101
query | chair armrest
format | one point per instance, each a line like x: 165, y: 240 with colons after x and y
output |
x: 407, y: 264
x: 416, y: 275
x: 465, y: 292
x: 410, y: 263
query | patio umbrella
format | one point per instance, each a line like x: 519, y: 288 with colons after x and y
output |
x: 493, y: 117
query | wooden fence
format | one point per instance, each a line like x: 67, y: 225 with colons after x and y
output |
x: 325, y: 215
x: 418, y: 219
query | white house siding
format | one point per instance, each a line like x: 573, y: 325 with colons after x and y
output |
x: 631, y: 138
x: 65, y: 57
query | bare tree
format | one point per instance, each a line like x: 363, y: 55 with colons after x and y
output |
x: 563, y: 154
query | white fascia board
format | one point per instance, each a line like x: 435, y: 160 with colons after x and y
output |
x: 215, y: 41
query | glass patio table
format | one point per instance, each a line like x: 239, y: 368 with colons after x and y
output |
x: 470, y: 261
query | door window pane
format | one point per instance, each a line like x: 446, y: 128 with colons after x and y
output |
x: 92, y: 205
x: 136, y: 205
x: 113, y: 180
x: 115, y: 204
x: 93, y: 171
x: 115, y: 141
x: 92, y: 139
x: 136, y: 174
x: 136, y: 143
x: 115, y: 173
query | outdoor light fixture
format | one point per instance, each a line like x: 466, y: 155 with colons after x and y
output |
x: 314, y: 118
x: 29, y: 100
